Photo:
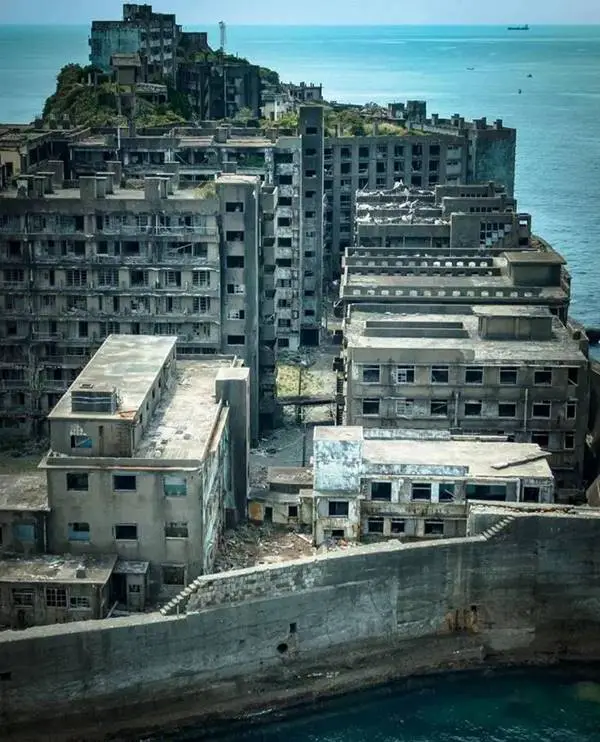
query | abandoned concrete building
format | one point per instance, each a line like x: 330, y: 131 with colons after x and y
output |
x: 148, y: 457
x: 286, y: 499
x: 54, y: 589
x: 491, y: 370
x: 398, y: 484
x: 140, y: 31
x: 150, y: 260
x: 23, y: 513
x: 455, y: 245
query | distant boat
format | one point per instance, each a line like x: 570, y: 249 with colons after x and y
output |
x: 519, y: 28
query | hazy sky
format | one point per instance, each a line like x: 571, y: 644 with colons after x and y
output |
x: 204, y: 12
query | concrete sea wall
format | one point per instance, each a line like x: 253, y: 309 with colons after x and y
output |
x: 527, y: 589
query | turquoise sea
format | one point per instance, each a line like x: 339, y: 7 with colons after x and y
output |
x: 557, y: 114
x: 558, y: 180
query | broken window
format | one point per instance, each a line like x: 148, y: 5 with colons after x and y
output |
x: 434, y: 527
x: 571, y: 409
x: 24, y: 532
x: 235, y: 261
x: 438, y: 408
x: 569, y: 441
x: 126, y: 532
x: 541, y: 438
x: 292, y: 511
x: 474, y: 375
x: 56, y: 597
x: 176, y: 530
x: 173, y: 574
x: 77, y: 481
x: 338, y: 508
x: 405, y: 407
x: 79, y: 602
x: 201, y: 304
x: 473, y: 408
x: 573, y: 376
x: 22, y: 596
x: 371, y: 374
x: 124, y: 483
x: 446, y: 491
x: 507, y: 409
x: 439, y: 374
x: 375, y: 525
x: 236, y: 340
x: 201, y: 278
x: 542, y: 377
x: 174, y: 486
x: 531, y: 494
x: 405, y: 374
x: 81, y: 441
x: 232, y: 207
x: 398, y: 526
x: 508, y: 376
x: 421, y: 491
x: 541, y: 409
x: 381, y: 491
x: 486, y: 492
x: 370, y: 407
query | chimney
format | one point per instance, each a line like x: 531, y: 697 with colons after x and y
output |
x: 80, y: 571
x: 100, y: 186
x: 58, y: 168
x: 87, y: 187
x: 48, y: 180
x: 498, y: 123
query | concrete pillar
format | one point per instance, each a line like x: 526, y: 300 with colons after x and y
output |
x: 232, y: 385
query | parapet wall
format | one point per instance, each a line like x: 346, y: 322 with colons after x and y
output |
x: 525, y: 589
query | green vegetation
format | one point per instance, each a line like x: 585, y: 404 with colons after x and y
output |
x: 88, y: 98
x: 206, y: 190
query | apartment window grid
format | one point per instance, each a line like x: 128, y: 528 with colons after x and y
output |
x: 371, y: 374
x: 405, y: 374
x: 56, y: 597
x: 201, y: 278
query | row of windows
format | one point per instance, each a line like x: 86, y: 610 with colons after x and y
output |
x: 55, y: 597
x: 507, y: 375
x: 125, y: 531
x: 471, y: 408
x: 173, y: 486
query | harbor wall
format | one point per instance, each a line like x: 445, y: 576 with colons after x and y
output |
x: 521, y: 589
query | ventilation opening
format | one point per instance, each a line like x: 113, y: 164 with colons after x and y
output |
x: 282, y: 648
x: 293, y: 628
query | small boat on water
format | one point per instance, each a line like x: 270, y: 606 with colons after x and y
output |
x: 519, y: 28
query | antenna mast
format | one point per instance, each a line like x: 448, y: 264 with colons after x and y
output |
x: 223, y: 32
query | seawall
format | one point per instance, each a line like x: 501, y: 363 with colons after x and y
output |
x: 525, y: 590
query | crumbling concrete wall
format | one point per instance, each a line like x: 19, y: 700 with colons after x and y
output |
x: 260, y: 636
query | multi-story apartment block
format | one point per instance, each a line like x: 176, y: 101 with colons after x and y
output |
x: 148, y: 455
x: 500, y: 370
x: 220, y: 89
x: 368, y: 483
x: 79, y: 264
x: 153, y: 35
x: 457, y: 245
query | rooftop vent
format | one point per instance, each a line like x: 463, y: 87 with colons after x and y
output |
x: 414, y: 329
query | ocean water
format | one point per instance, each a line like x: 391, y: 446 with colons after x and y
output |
x: 557, y: 113
x: 519, y: 706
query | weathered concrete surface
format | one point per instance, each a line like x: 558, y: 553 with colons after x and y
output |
x: 528, y: 592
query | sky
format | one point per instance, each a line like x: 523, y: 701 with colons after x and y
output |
x: 315, y: 12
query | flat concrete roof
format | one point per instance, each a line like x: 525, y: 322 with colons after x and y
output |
x: 184, y: 419
x: 233, y: 178
x: 560, y: 348
x: 478, y: 457
x: 61, y: 569
x: 535, y: 256
x: 290, y: 475
x: 120, y: 194
x: 130, y: 363
x: 24, y: 492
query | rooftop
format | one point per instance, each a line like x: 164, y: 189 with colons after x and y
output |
x: 560, y: 348
x: 61, y: 569
x: 119, y: 194
x: 130, y: 363
x: 26, y: 492
x: 489, y: 460
x: 290, y: 475
x: 184, y: 419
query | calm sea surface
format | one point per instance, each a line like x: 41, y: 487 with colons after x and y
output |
x: 557, y: 115
x: 558, y: 180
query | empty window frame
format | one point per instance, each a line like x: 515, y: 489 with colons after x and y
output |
x: 176, y: 530
x: 381, y: 491
x: 439, y: 374
x: 338, y: 509
x: 126, y: 532
x: 78, y: 532
x: 473, y: 408
x: 438, y: 408
x: 541, y: 409
x: 173, y: 574
x: 434, y: 528
x: 531, y: 494
x: 509, y: 375
x: 124, y: 482
x: 370, y: 406
x: 375, y: 525
x: 56, y: 597
x: 398, y: 526
x: 507, y: 409
x: 421, y: 491
x: 474, y: 375
x: 542, y: 377
x: 571, y: 409
x: 541, y: 437
x: 174, y: 486
x: 371, y: 374
x: 77, y: 481
x: 446, y: 491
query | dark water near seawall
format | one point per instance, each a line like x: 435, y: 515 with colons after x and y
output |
x: 546, y: 705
